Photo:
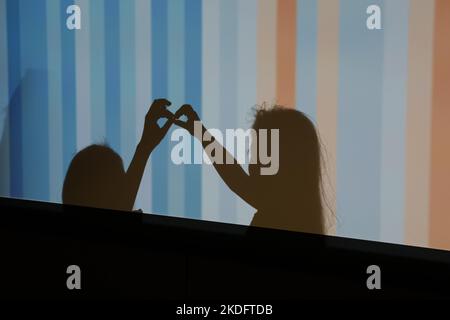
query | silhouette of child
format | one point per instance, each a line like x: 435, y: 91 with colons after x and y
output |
x: 96, y: 176
x: 291, y: 198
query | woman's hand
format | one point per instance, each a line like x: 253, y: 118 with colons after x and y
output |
x: 191, y: 122
x: 152, y: 133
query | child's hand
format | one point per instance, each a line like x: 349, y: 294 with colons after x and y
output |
x: 153, y: 134
x: 191, y: 115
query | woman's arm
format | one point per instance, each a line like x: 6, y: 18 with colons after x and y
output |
x: 232, y: 174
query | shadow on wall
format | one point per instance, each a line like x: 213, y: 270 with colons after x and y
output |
x: 24, y: 139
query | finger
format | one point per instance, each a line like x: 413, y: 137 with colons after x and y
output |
x: 158, y: 107
x: 166, y: 114
x: 180, y: 123
x: 184, y: 110
x: 162, y: 102
x: 190, y: 112
x: 167, y: 125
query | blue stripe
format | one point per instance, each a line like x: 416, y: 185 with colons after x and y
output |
x: 161, y: 155
x: 68, y: 87
x: 193, y: 74
x: 112, y: 74
x: 306, y: 66
x: 359, y: 123
x: 228, y: 92
x: 4, y: 102
x: 176, y: 70
x: 83, y: 85
x: 143, y: 91
x: 34, y: 99
x: 55, y: 108
x: 15, y: 100
x: 3, y: 62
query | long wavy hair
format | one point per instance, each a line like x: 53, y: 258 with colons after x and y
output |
x: 293, y: 198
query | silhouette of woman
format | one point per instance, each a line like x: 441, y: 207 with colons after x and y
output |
x: 291, y: 198
x: 96, y: 176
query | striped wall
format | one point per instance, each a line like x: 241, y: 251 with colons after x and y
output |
x: 380, y: 99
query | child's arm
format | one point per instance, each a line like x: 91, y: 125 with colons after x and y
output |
x: 232, y: 174
x: 151, y: 137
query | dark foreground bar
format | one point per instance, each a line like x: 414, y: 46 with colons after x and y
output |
x: 130, y: 255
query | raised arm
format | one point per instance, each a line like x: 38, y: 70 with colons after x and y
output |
x: 232, y: 174
x: 151, y: 137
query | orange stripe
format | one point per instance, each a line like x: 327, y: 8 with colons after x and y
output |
x: 440, y: 132
x: 418, y: 122
x: 327, y: 98
x: 286, y: 47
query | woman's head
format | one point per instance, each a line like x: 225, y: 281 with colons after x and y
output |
x: 96, y: 178
x: 297, y: 184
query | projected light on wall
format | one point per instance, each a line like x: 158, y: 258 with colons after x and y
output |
x: 379, y: 97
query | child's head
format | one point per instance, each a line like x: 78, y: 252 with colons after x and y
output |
x: 297, y: 184
x: 299, y: 148
x: 96, y: 178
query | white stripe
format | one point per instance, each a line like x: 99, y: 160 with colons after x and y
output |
x: 392, y: 184
x: 246, y: 87
x: 210, y: 102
